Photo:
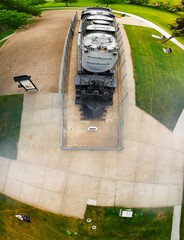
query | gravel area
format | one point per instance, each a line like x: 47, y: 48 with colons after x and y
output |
x: 36, y: 51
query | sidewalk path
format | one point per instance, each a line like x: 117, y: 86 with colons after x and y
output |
x: 159, y: 29
x: 175, y: 234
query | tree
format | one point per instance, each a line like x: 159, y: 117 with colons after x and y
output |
x: 21, y: 6
x: 36, y: 2
x: 178, y: 28
x: 139, y: 2
x: 107, y: 2
x: 17, y: 13
x: 67, y: 1
x: 14, y: 19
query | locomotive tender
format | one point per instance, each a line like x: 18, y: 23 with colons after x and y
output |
x: 97, y: 57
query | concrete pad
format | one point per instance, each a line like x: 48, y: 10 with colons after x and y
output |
x: 30, y: 194
x: 58, y: 159
x: 82, y: 186
x: 175, y: 195
x: 13, y: 187
x: 160, y: 195
x: 179, y: 128
x: 39, y: 134
x: 56, y: 115
x: 36, y: 155
x: 178, y: 160
x: 154, y: 154
x: 2, y: 182
x: 125, y: 169
x: 27, y: 117
x: 57, y: 100
x: 142, y: 195
x: 162, y: 174
x: 55, y: 134
x: 110, y: 164
x: 106, y: 193
x: 4, y: 163
x: 124, y: 193
x: 132, y: 125
x: 145, y: 172
x: 43, y: 100
x: 50, y: 201
x: 74, y: 206
x: 34, y: 175
x: 29, y: 100
x: 42, y: 116
x: 55, y: 180
x: 16, y: 170
x: 176, y: 176
x: 159, y: 135
x: 94, y: 163
x: 131, y: 150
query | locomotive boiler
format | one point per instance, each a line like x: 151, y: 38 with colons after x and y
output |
x: 97, y: 56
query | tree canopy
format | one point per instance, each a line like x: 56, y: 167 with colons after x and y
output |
x: 17, y: 13
x: 67, y: 1
x: 107, y: 2
x: 178, y: 27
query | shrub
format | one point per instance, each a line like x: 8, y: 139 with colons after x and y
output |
x: 14, y: 19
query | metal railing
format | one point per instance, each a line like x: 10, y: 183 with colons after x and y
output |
x: 65, y: 55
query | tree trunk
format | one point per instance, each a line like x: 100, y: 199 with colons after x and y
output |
x: 107, y: 5
x: 167, y: 39
x: 66, y: 3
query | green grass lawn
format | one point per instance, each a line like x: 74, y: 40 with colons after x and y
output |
x: 10, y: 118
x: 2, y: 43
x: 5, y: 34
x: 158, y: 76
x: 147, y: 224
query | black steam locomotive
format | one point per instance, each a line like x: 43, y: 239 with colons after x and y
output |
x: 97, y: 57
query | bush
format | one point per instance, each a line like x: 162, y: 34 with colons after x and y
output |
x: 14, y: 19
x: 21, y: 6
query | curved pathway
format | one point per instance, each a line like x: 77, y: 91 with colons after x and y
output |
x: 150, y: 24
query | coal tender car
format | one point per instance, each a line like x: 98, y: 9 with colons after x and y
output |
x: 97, y: 57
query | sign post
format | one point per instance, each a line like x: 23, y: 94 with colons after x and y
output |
x: 25, y: 82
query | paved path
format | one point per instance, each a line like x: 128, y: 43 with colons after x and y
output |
x: 179, y: 128
x: 159, y: 29
x: 147, y: 173
x: 175, y: 234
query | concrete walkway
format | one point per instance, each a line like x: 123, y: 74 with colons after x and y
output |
x: 147, y: 173
x: 159, y: 29
x: 179, y: 128
x: 175, y: 234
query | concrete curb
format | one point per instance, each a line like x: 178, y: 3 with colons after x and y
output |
x: 175, y: 234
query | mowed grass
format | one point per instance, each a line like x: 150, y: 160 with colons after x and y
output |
x: 2, y: 43
x: 160, y: 17
x: 7, y: 33
x: 152, y: 224
x: 10, y: 118
x: 158, y: 76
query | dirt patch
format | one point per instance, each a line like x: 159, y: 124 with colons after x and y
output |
x: 36, y: 51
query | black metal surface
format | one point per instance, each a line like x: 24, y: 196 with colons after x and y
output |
x: 95, y: 83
